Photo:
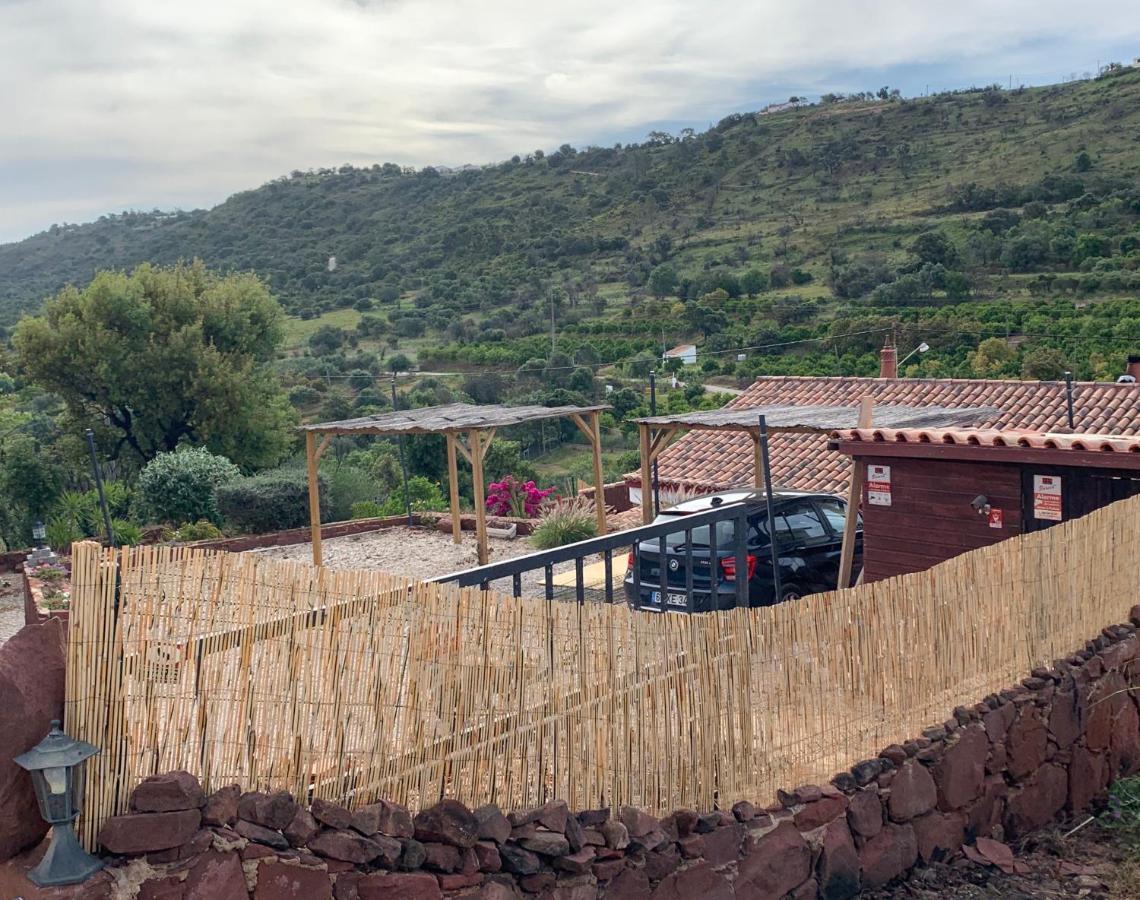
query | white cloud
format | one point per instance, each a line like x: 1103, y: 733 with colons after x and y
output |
x: 161, y: 103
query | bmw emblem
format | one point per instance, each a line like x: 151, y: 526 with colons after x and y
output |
x: 673, y: 565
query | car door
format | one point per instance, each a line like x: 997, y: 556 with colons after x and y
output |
x: 809, y: 547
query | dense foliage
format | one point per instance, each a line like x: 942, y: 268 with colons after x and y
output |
x: 269, y: 501
x: 180, y: 487
x: 161, y: 357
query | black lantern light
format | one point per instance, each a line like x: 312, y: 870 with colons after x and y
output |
x: 39, y: 534
x: 56, y: 765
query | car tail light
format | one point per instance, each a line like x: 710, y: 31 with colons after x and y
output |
x: 629, y: 560
x: 728, y: 567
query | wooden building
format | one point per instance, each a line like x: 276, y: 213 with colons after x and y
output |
x: 931, y: 494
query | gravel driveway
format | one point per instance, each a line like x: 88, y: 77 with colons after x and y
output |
x: 416, y: 552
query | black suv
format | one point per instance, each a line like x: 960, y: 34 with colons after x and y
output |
x: 809, y: 532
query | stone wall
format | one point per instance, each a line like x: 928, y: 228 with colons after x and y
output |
x: 1001, y: 768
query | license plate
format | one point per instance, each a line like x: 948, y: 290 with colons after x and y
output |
x: 672, y: 599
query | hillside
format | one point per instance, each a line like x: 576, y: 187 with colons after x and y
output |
x: 814, y: 211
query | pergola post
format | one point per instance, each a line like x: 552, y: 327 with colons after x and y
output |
x: 453, y: 487
x: 646, y: 475
x: 854, y: 497
x: 477, y: 448
x: 599, y: 478
x: 757, y: 461
x: 314, y: 496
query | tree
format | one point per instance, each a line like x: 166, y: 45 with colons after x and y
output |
x: 399, y: 363
x: 163, y: 357
x: 934, y: 247
x: 992, y: 358
x: 327, y: 339
x: 663, y: 281
x: 1044, y: 364
x: 753, y: 282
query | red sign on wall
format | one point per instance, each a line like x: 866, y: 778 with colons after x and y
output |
x: 996, y: 518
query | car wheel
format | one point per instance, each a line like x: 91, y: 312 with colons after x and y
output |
x: 790, y: 592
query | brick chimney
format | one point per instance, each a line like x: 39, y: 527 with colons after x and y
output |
x: 888, y: 361
x: 1133, y: 367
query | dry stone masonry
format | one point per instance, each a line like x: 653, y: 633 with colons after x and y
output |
x: 998, y: 769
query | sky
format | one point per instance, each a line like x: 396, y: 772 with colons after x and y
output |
x: 138, y: 104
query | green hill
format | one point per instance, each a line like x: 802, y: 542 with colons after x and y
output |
x: 764, y: 229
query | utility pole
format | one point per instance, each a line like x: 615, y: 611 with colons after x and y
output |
x: 552, y: 323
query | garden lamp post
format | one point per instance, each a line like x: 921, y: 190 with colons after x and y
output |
x: 39, y: 535
x: 56, y: 765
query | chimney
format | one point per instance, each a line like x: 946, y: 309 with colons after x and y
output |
x: 888, y: 361
x: 1133, y: 367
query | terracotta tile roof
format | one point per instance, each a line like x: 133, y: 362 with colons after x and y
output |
x: 724, y: 459
x: 992, y: 438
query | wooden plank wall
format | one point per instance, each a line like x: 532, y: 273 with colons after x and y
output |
x: 930, y: 519
x: 354, y: 686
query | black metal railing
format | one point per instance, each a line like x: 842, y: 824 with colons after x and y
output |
x: 630, y: 540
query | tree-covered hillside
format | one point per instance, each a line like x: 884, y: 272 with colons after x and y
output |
x: 763, y: 230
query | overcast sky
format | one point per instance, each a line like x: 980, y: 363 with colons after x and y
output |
x: 115, y: 104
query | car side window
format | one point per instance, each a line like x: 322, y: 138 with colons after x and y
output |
x: 803, y: 523
x: 783, y: 531
x: 834, y: 512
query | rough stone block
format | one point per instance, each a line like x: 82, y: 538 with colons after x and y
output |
x: 961, y: 771
x: 912, y: 792
x: 448, y: 822
x: 939, y: 835
x: 274, y: 810
x: 838, y: 869
x: 146, y: 832
x: 887, y: 855
x: 277, y: 881
x: 168, y: 792
x: 774, y: 863
x: 221, y: 806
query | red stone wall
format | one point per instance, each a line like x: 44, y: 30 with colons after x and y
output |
x: 1005, y: 766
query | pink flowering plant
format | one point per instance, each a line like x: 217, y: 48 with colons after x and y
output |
x: 511, y: 497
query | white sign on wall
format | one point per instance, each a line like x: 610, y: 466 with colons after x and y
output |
x: 879, y: 485
x: 1047, y: 497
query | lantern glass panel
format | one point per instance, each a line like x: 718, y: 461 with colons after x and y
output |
x: 53, y: 794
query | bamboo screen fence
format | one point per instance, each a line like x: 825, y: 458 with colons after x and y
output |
x: 356, y: 685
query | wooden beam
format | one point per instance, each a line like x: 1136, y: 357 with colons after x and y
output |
x: 661, y: 441
x: 478, y: 448
x: 646, y: 475
x: 453, y: 487
x: 599, y: 478
x: 854, y: 496
x: 583, y: 426
x: 459, y: 445
x: 314, y: 496
x: 757, y: 462
x: 325, y: 441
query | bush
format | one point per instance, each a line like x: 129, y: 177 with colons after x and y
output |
x: 348, y: 485
x: 424, y: 494
x: 202, y: 530
x: 127, y: 534
x: 181, y: 486
x: 62, y: 532
x: 367, y: 509
x: 270, y: 501
x: 565, y: 523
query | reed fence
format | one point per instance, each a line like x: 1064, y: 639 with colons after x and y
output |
x: 355, y: 685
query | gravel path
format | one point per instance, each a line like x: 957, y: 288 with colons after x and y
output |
x: 11, y: 605
x: 417, y: 552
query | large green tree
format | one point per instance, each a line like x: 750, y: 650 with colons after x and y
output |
x: 165, y: 356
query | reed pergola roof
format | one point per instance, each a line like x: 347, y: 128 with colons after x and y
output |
x: 818, y: 418
x: 449, y: 419
x: 468, y: 429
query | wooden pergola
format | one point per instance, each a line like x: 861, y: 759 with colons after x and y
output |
x: 657, y: 432
x: 469, y: 430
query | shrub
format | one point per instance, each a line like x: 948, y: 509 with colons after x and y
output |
x: 424, y: 494
x: 269, y: 501
x: 511, y: 497
x: 367, y: 509
x: 62, y: 532
x: 127, y: 534
x: 348, y: 485
x: 565, y: 523
x: 181, y: 486
x: 202, y: 530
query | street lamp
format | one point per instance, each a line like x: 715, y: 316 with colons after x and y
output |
x: 56, y: 765
x: 921, y: 348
